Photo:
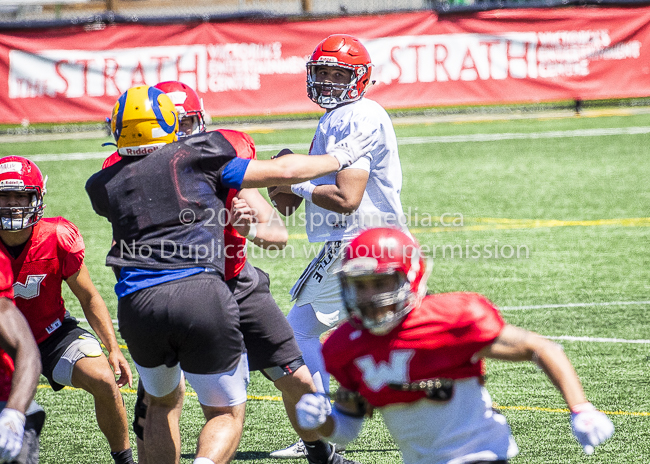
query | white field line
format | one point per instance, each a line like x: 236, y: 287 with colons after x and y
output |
x: 302, y: 148
x: 69, y: 156
x: 573, y: 305
x: 558, y: 337
x: 597, y: 339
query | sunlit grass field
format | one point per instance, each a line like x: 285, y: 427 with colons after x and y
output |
x: 550, y: 218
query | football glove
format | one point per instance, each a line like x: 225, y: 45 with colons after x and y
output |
x: 312, y: 410
x: 590, y: 426
x: 350, y: 148
x: 12, y: 428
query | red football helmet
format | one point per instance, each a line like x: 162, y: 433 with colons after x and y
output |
x: 374, y: 254
x: 18, y: 174
x: 188, y: 104
x: 343, y: 51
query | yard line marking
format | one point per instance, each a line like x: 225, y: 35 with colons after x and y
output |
x: 514, y: 224
x: 523, y: 135
x: 535, y: 224
x: 573, y: 305
x: 495, y: 137
x: 304, y: 147
x: 566, y: 411
x: 69, y: 156
x: 496, y: 405
x: 520, y: 308
x: 568, y: 338
x: 596, y: 339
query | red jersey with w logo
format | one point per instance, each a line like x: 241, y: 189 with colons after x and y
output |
x: 54, y: 252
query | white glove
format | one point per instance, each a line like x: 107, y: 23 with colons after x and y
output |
x: 349, y: 149
x: 590, y: 426
x: 12, y: 428
x: 312, y: 410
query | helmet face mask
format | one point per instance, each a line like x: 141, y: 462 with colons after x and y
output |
x: 189, y: 125
x: 383, y: 278
x: 343, y: 52
x: 188, y: 104
x: 377, y: 302
x: 144, y: 119
x: 22, y: 178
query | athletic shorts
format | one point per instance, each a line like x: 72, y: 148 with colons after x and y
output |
x: 267, y: 334
x: 54, y: 346
x: 193, y: 321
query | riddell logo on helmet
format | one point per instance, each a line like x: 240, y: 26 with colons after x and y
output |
x: 139, y: 150
x: 12, y: 183
x: 327, y: 58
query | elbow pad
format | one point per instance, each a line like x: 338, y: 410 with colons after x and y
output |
x: 346, y: 428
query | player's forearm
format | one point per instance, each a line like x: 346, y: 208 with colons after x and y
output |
x: 100, y: 321
x: 271, y: 235
x: 25, y: 377
x: 17, y: 340
x: 287, y: 170
x: 332, y: 198
x: 554, y: 362
x: 19, y: 343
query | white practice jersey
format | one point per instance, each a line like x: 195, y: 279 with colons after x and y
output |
x: 381, y: 205
x: 459, y: 431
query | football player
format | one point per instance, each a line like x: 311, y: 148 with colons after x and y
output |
x: 268, y: 338
x: 175, y: 311
x: 43, y: 253
x: 21, y: 419
x: 339, y: 205
x: 419, y: 360
x: 191, y: 115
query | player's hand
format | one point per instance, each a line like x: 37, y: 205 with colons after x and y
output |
x: 590, y: 426
x: 312, y: 410
x: 12, y: 428
x: 121, y: 368
x: 349, y: 149
x: 242, y: 216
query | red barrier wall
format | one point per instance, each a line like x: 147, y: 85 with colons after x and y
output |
x: 240, y: 68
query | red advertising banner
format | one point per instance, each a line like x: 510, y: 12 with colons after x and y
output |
x: 246, y: 68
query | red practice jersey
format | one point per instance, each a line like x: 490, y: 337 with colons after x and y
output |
x: 234, y: 244
x: 54, y: 252
x: 6, y: 363
x: 438, y: 339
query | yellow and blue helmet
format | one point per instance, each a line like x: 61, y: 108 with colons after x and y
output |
x: 144, y: 119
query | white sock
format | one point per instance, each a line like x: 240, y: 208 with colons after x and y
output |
x: 203, y: 461
x: 307, y: 330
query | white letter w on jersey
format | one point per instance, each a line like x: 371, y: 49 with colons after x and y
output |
x: 31, y: 288
x: 377, y: 376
